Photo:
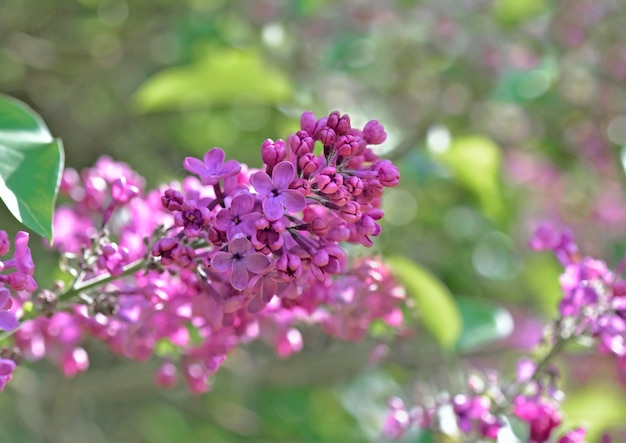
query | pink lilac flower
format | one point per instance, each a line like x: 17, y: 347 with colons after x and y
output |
x: 8, y: 320
x: 6, y: 371
x: 240, y: 219
x: 240, y: 259
x: 374, y: 133
x: 540, y: 413
x: 22, y: 278
x: 212, y: 168
x: 398, y: 419
x: 575, y: 436
x: 276, y: 192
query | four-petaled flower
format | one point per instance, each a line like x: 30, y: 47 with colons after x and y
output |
x: 240, y: 259
x: 239, y: 220
x: 213, y: 167
x: 276, y: 191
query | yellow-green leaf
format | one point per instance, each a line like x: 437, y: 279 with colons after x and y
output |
x: 223, y: 76
x: 435, y: 304
x: 475, y: 161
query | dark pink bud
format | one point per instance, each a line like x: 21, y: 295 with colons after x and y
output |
x: 327, y: 136
x: 347, y: 145
x: 354, y: 186
x: 374, y: 133
x: 307, y: 122
x: 319, y: 226
x: 328, y: 181
x: 289, y: 265
x: 388, y: 174
x: 172, y: 200
x: 302, y: 185
x: 340, y: 124
x: 301, y: 143
x: 166, y: 248
x: 308, y: 164
x: 351, y: 212
x: 372, y: 189
x: 340, y: 198
x: 273, y: 152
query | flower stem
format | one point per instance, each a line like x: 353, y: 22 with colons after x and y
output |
x: 100, y: 280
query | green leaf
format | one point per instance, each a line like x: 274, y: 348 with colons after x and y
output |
x: 31, y: 166
x: 222, y: 77
x: 514, y: 12
x: 438, y: 310
x: 483, y: 323
x: 474, y: 161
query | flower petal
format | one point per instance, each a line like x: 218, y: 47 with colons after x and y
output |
x: 283, y: 174
x: 239, y: 245
x: 222, y: 261
x: 8, y: 321
x: 239, y: 278
x: 4, y: 296
x: 242, y: 204
x: 262, y: 183
x: 273, y: 208
x: 257, y: 262
x: 293, y: 200
x: 213, y: 159
x: 223, y: 220
x: 230, y: 168
x: 195, y: 166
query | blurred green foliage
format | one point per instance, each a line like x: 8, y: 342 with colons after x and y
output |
x: 500, y: 113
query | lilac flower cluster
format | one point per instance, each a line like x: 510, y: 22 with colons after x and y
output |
x: 481, y: 413
x: 16, y: 278
x: 190, y: 271
x: 592, y: 310
x: 594, y: 297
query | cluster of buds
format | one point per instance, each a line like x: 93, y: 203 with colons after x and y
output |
x: 189, y: 271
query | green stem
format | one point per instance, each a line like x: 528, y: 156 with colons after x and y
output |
x: 77, y: 288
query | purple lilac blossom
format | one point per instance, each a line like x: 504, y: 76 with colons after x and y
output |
x: 212, y: 168
x: 276, y: 193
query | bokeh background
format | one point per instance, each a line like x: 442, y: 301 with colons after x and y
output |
x: 500, y: 113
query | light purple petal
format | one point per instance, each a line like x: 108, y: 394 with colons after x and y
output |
x: 223, y: 220
x: 195, y: 166
x: 240, y: 245
x: 273, y: 208
x: 283, y: 174
x: 8, y: 321
x: 248, y: 223
x: 257, y: 262
x: 242, y: 204
x: 231, y: 167
x: 293, y: 200
x: 4, y: 296
x: 222, y: 261
x: 6, y: 367
x: 239, y: 278
x: 213, y: 160
x: 262, y: 183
